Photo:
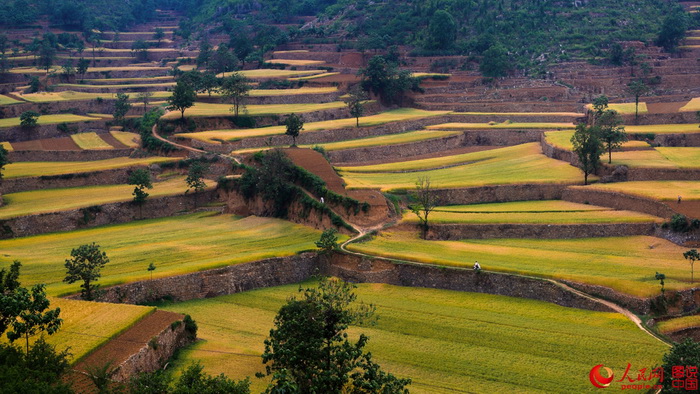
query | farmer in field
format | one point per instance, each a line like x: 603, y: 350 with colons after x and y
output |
x: 477, y: 267
x: 679, y: 198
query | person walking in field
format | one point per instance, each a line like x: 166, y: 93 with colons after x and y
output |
x: 477, y: 266
x: 679, y: 198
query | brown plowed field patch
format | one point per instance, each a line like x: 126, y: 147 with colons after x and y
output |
x: 664, y: 108
x: 690, y: 209
x: 458, y: 151
x: 120, y: 348
x: 63, y: 143
x: 109, y: 138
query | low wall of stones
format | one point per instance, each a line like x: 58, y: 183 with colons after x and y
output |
x: 500, y: 193
x: 636, y: 304
x: 663, y: 118
x: 18, y: 133
x: 679, y: 140
x: 100, y: 215
x: 546, y: 231
x: 617, y: 200
x: 557, y: 153
x: 282, y: 99
x: 392, y: 152
x: 75, y: 107
x: 95, y: 178
x: 155, y: 354
x: 662, y: 174
x: 68, y: 155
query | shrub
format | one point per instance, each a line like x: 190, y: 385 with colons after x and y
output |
x: 679, y: 223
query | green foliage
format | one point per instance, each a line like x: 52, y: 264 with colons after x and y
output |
x: 692, y: 256
x: 84, y: 265
x: 442, y: 31
x: 679, y: 223
x: 236, y: 89
x: 425, y: 202
x: 384, y: 79
x: 612, y: 133
x: 82, y: 67
x: 672, y: 31
x: 29, y: 119
x: 661, y: 278
x: 355, y: 102
x: 637, y: 88
x: 121, y: 107
x: 294, y: 125
x: 495, y: 62
x: 195, y: 178
x: 193, y: 380
x: 309, y: 351
x: 223, y: 60
x: 190, y: 327
x: 328, y: 241
x: 183, y: 97
x: 141, y: 179
x: 40, y: 370
x: 4, y: 160
x: 588, y: 147
x: 686, y: 353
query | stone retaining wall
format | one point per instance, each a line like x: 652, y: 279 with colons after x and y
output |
x: 155, y: 354
x: 583, y: 195
x: 548, y: 231
x: 500, y: 193
x: 120, y: 212
x: 399, y: 151
x: 68, y: 155
x: 18, y: 133
x: 94, y: 178
x: 636, y: 304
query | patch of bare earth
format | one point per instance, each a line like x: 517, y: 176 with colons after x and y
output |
x: 63, y: 143
x: 109, y: 138
x: 458, y: 151
x: 664, y: 108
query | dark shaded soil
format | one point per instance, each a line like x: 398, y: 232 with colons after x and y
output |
x: 109, y: 138
x: 63, y: 143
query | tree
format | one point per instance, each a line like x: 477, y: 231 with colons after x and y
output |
x: 426, y: 201
x: 94, y: 40
x: 308, y: 350
x: 661, y: 278
x: 210, y: 83
x: 29, y: 119
x: 205, y: 53
x: 84, y: 265
x: 355, y: 102
x: 158, y: 35
x: 236, y: 89
x: 141, y: 179
x: 294, y: 126
x: 4, y: 160
x: 145, y: 98
x: 588, y: 148
x: 83, y: 65
x: 637, y: 88
x: 40, y: 370
x: 121, y: 107
x: 192, y: 380
x: 140, y: 50
x: 195, y: 179
x: 328, y: 241
x: 47, y: 54
x: 182, y: 98
x: 442, y: 31
x: 495, y: 62
x: 672, y: 31
x: 686, y: 353
x: 600, y: 104
x: 692, y: 255
x: 68, y: 70
x: 223, y: 60
x: 151, y: 268
x: 385, y: 80
x: 612, y: 133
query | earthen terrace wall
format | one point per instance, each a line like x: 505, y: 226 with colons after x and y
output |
x: 548, y: 231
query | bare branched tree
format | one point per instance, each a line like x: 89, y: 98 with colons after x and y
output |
x: 426, y: 201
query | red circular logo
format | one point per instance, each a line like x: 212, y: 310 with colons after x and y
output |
x: 597, y: 379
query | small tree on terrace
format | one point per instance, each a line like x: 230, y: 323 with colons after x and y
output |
x: 210, y: 83
x: 145, y: 98
x: 29, y: 119
x: 692, y: 255
x: 600, y: 104
x: 195, y: 179
x: 612, y: 133
x: 426, y: 201
x: 158, y: 35
x: 681, y: 354
x: 84, y: 265
x: 121, y: 107
x: 4, y: 160
x: 182, y: 98
x: 355, y: 102
x: 637, y: 88
x: 588, y: 148
x: 83, y: 65
x: 141, y: 178
x: 235, y: 88
x: 328, y: 241
x: 294, y: 126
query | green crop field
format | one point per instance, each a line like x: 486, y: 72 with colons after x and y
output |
x: 562, y: 139
x: 625, y: 264
x: 176, y: 245
x: 534, y: 212
x: 625, y: 108
x: 49, y: 119
x: 132, y: 140
x: 5, y: 100
x: 445, y: 341
x: 296, y: 62
x: 511, y: 165
x: 681, y: 156
x: 660, y: 157
x: 383, y: 140
x: 87, y: 325
x: 678, y: 323
x: 208, y: 109
x: 686, y: 128
x: 53, y: 200
x: 658, y: 190
x: 396, y: 115
x: 272, y: 73
x: 90, y: 141
x: 48, y: 168
x: 503, y: 125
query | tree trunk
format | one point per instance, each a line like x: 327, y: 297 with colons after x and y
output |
x: 358, y: 122
x: 585, y: 178
x: 609, y: 155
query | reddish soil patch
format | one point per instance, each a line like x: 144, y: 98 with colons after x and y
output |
x: 109, y: 138
x: 690, y: 209
x: 339, y: 78
x: 664, y: 108
x: 458, y: 151
x: 63, y: 143
x: 315, y: 162
x: 119, y: 349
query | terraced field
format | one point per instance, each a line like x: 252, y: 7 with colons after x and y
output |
x: 503, y: 125
x: 658, y: 190
x: 540, y: 344
x: 682, y: 128
x: 511, y: 165
x: 679, y: 323
x: 532, y: 212
x: 206, y: 109
x: 625, y: 264
x: 48, y: 168
x: 49, y: 119
x: 56, y: 200
x: 562, y: 139
x: 5, y: 100
x: 402, y: 114
x: 272, y: 73
x: 176, y: 245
